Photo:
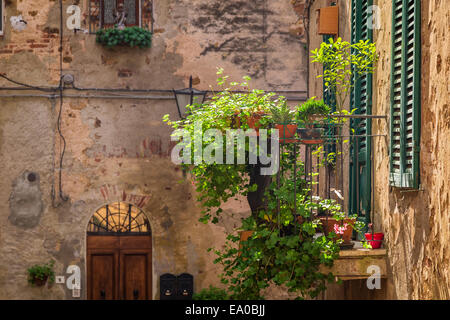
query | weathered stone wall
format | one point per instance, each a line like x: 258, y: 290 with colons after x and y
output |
x: 417, y: 224
x: 118, y: 149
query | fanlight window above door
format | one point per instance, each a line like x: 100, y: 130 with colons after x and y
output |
x: 119, y: 218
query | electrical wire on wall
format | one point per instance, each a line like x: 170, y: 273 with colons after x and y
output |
x: 58, y: 92
x: 60, y: 88
x: 61, y: 101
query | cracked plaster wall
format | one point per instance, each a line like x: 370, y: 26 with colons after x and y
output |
x: 119, y: 149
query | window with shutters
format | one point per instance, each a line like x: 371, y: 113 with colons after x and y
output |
x: 107, y: 13
x: 361, y: 100
x: 405, y: 94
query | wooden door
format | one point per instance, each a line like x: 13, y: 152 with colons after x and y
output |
x: 119, y: 267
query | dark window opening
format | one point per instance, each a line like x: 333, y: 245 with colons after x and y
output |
x: 108, y: 13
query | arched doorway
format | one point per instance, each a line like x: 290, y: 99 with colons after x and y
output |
x: 119, y: 254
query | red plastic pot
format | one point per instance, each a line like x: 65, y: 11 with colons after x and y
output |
x: 376, y: 236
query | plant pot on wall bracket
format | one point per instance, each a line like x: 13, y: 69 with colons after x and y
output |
x: 310, y: 135
x: 253, y: 121
x: 40, y: 282
x: 286, y: 131
x: 39, y: 274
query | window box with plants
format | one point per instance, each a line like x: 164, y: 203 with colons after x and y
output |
x: 123, y: 37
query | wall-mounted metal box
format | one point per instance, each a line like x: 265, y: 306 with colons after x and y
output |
x: 176, y: 287
x: 185, y: 286
x: 167, y: 287
x: 329, y: 20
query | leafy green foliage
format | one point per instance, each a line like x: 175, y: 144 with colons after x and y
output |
x: 130, y: 36
x: 312, y: 107
x: 212, y: 293
x: 41, y: 272
x: 286, y: 248
x: 281, y: 113
x: 217, y: 183
x: 343, y: 64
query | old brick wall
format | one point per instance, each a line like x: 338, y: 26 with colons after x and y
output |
x: 118, y: 148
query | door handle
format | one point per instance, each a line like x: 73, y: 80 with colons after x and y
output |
x: 102, y: 294
x: 135, y: 294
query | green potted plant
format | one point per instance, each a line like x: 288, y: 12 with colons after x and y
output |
x: 311, y: 113
x: 39, y: 274
x: 337, y: 223
x: 254, y: 118
x: 282, y: 117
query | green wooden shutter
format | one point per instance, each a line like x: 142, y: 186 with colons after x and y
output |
x: 405, y: 94
x: 361, y: 99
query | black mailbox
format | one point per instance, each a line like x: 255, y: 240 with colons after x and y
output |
x: 176, y: 288
x: 168, y: 287
x: 185, y: 286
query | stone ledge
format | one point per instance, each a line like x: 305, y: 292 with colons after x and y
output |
x: 353, y: 264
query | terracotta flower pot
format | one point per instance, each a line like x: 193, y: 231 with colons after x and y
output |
x: 286, y: 131
x: 40, y: 282
x: 252, y: 121
x: 245, y: 234
x: 244, y: 237
x: 376, y: 236
x: 330, y: 225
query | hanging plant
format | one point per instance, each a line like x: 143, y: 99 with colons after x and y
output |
x: 129, y: 36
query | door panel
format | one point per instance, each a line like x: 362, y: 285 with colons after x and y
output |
x: 134, y: 274
x: 102, y: 269
x: 119, y: 267
x: 103, y: 242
